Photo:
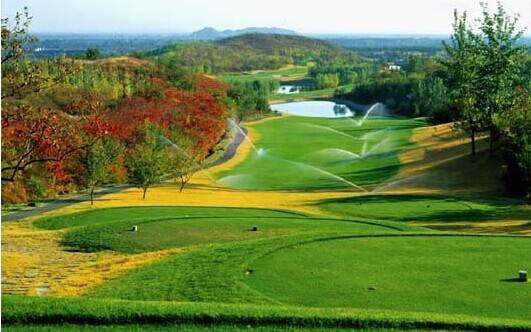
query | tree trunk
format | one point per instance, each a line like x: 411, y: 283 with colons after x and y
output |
x: 182, y: 185
x: 92, y: 196
x: 473, y: 141
x: 144, y: 190
x: 492, y: 138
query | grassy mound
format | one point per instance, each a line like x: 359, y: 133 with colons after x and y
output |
x: 175, y: 227
x: 301, y: 153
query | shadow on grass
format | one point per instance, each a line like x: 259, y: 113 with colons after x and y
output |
x: 517, y: 280
x: 423, y: 208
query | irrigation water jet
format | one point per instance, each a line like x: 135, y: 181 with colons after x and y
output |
x: 326, y: 173
x: 329, y: 129
x: 233, y: 124
x: 335, y: 153
x: 369, y: 111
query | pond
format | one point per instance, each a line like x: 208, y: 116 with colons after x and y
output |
x: 321, y: 109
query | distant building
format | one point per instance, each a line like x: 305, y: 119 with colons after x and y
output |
x: 393, y: 67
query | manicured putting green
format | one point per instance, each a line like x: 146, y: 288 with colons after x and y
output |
x: 303, y: 153
x: 421, y: 208
x: 133, y: 214
x: 173, y: 227
x: 443, y: 274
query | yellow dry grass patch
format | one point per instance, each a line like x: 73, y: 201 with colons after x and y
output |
x: 33, y: 263
x: 106, y: 267
x: 516, y: 227
x: 441, y: 164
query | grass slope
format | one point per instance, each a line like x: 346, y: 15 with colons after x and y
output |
x: 424, y: 208
x: 302, y: 153
x: 25, y: 311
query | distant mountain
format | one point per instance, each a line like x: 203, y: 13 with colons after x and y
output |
x: 213, y: 34
x: 251, y: 51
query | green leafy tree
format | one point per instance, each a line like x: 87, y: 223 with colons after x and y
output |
x: 430, y: 97
x: 462, y: 64
x: 98, y: 157
x: 514, y: 125
x: 147, y: 163
x: 92, y: 54
x: 501, y: 66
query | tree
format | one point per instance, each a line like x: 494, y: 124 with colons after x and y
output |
x: 92, y: 54
x: 98, y: 157
x: 15, y: 37
x: 326, y: 81
x: 514, y: 125
x: 462, y: 67
x: 430, y: 97
x: 183, y: 162
x: 146, y: 163
x: 501, y: 66
x: 36, y: 135
x: 21, y: 76
x: 31, y: 134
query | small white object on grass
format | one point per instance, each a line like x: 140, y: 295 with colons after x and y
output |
x: 134, y: 228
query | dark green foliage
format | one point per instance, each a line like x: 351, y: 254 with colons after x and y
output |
x: 392, y: 90
x: 37, y: 187
x: 92, y: 54
x: 347, y: 73
x: 251, y: 99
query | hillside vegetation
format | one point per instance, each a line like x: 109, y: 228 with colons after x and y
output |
x: 249, y: 52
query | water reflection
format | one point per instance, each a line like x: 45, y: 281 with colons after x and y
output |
x: 323, y: 109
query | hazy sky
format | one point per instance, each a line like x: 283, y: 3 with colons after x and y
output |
x: 306, y: 16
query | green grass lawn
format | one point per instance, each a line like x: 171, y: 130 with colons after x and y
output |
x: 302, y: 153
x: 305, y: 95
x: 451, y: 275
x: 22, y: 313
x: 283, y: 74
x: 176, y: 227
x: 424, y: 208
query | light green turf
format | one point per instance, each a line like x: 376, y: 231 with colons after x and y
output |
x: 143, y: 214
x: 300, y: 151
x: 175, y: 227
x: 311, y: 94
x: 424, y: 208
x: 451, y: 275
x: 32, y: 312
x: 288, y: 73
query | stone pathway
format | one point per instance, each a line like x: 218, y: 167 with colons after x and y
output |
x: 34, y: 263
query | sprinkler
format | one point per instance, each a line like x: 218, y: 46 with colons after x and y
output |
x: 522, y: 276
x: 254, y: 229
x: 134, y: 228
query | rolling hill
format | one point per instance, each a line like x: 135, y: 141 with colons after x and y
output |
x: 249, y: 52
